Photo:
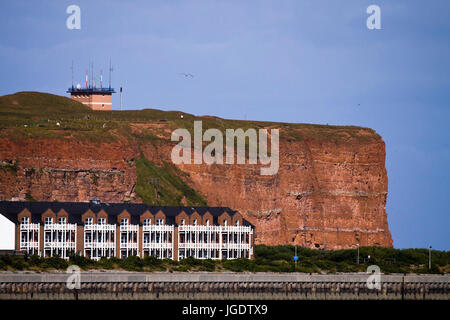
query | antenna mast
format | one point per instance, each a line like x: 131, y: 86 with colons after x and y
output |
x: 72, y: 73
x: 110, y: 71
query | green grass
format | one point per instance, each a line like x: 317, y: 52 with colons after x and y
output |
x: 40, y: 113
x: 267, y: 259
x: 163, y: 186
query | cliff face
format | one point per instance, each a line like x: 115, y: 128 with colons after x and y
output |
x: 66, y: 170
x: 330, y: 191
x: 325, y: 195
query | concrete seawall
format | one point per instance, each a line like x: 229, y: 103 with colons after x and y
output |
x: 221, y: 286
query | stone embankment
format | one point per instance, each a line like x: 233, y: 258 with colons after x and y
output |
x: 221, y: 286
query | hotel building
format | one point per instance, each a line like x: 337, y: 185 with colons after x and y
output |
x: 94, y: 229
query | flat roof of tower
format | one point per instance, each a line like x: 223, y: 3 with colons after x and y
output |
x: 90, y: 90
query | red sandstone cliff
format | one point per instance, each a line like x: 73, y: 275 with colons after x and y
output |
x: 329, y: 192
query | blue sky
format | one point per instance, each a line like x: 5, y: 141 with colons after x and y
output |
x: 291, y: 61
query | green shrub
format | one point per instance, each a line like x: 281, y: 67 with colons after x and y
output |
x: 191, y: 262
x: 208, y: 265
x: 80, y: 261
x: 132, y: 263
x: 54, y: 263
x: 239, y: 265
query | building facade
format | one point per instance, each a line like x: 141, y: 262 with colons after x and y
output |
x: 95, y: 230
x: 94, y: 98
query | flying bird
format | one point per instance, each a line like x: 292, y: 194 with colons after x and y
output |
x: 187, y: 75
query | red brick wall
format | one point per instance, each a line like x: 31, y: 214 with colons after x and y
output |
x: 80, y: 240
x: 118, y: 241
x: 175, y: 243
x: 17, y: 236
x: 95, y: 101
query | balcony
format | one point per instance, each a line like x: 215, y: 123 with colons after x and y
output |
x: 99, y: 245
x: 129, y: 228
x: 100, y: 227
x: 29, y: 227
x: 60, y: 227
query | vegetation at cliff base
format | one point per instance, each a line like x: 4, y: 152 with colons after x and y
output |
x: 267, y: 259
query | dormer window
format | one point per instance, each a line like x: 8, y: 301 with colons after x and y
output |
x: 225, y: 222
x: 88, y: 221
x: 101, y: 221
x: 183, y: 222
x: 124, y: 221
x: 25, y: 220
x: 207, y: 222
x: 159, y: 222
x: 147, y: 222
x: 195, y: 222
x: 48, y: 220
x: 237, y: 223
x: 62, y: 220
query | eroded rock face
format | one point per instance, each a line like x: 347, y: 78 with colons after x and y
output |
x: 325, y: 195
x: 66, y: 170
x: 328, y: 193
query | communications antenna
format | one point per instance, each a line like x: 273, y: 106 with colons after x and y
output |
x: 72, y: 73
x: 110, y: 72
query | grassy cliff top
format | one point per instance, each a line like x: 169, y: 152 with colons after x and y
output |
x: 35, y: 114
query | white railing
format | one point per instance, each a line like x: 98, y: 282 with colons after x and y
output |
x: 161, y: 228
x: 156, y: 245
x: 128, y: 245
x: 29, y: 227
x: 60, y: 227
x: 31, y: 230
x: 59, y: 245
x: 29, y: 245
x: 186, y: 245
x: 100, y: 245
x: 100, y: 227
x: 129, y: 228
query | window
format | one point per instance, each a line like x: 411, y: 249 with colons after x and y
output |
x: 88, y: 221
x: 48, y: 220
x: 62, y: 220
x: 124, y: 221
x: 159, y: 222
x: 207, y: 222
x: 101, y: 221
x: 183, y: 222
x: 237, y: 223
x: 147, y: 222
x: 195, y: 222
x: 225, y: 222
x: 25, y: 220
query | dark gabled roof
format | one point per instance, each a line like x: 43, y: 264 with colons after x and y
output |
x: 11, y: 209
